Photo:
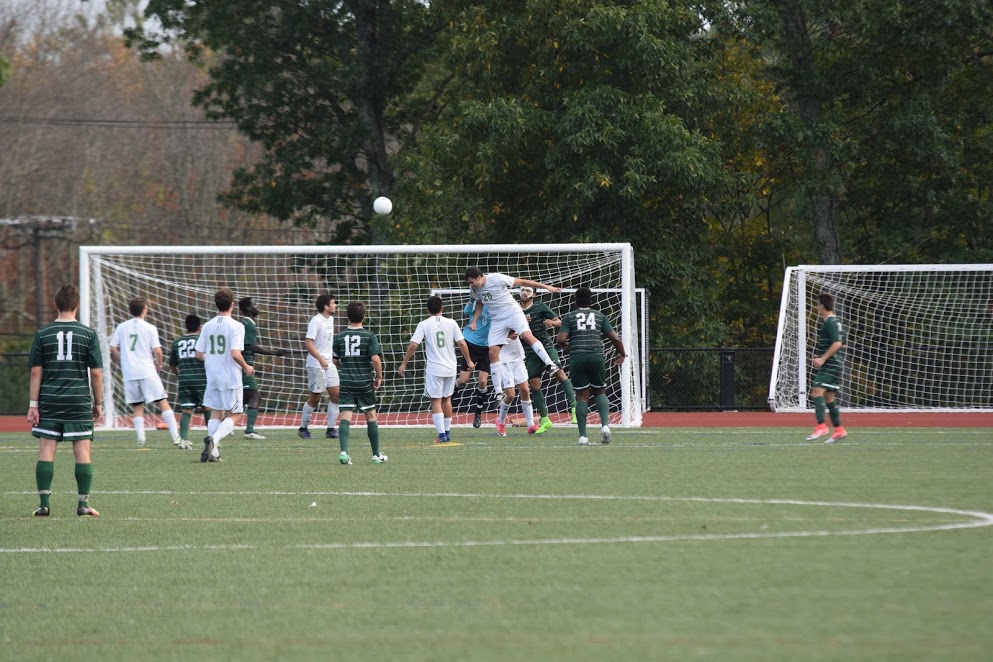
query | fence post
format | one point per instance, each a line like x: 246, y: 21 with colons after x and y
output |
x: 727, y: 379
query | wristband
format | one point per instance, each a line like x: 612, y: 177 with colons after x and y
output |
x: 33, y: 404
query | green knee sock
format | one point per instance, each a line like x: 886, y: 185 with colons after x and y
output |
x: 835, y: 411
x: 538, y: 400
x: 582, y: 408
x: 819, y: 408
x: 343, y: 429
x: 373, y: 429
x: 84, y: 480
x: 184, y: 425
x: 570, y: 393
x: 44, y: 474
x: 252, y: 415
x: 602, y: 407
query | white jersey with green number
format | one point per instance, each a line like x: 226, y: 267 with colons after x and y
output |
x: 439, y: 335
x: 217, y: 338
x: 321, y: 331
x: 136, y: 339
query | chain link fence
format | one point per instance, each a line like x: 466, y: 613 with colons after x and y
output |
x: 709, y: 379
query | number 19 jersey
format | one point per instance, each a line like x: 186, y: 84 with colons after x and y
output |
x: 218, y: 337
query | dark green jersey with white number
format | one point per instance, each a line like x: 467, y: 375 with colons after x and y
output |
x: 829, y: 333
x: 354, y: 348
x: 251, y: 338
x: 586, y: 328
x: 183, y: 355
x: 536, y: 316
x: 65, y: 351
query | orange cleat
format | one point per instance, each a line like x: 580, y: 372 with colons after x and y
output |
x: 818, y: 432
x: 839, y: 434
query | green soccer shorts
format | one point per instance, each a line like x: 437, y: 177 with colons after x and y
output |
x: 357, y: 401
x: 587, y: 372
x: 828, y: 377
x: 61, y: 431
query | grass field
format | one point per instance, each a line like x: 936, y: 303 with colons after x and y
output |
x: 667, y: 544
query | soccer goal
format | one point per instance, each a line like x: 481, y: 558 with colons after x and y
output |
x: 918, y: 337
x: 393, y: 281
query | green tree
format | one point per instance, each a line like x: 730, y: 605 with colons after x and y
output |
x: 320, y: 85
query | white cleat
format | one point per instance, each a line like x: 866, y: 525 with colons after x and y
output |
x: 141, y: 443
x: 254, y: 435
x: 379, y: 459
x: 605, y: 435
x: 177, y: 441
x: 583, y: 441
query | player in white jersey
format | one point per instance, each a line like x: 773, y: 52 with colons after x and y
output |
x: 506, y: 316
x: 322, y: 375
x: 513, y: 372
x: 136, y: 344
x: 220, y: 347
x: 442, y: 335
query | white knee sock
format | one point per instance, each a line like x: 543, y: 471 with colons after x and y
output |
x: 542, y: 353
x: 448, y: 424
x: 308, y: 411
x: 139, y: 427
x: 504, y: 407
x: 170, y: 420
x: 212, y: 426
x: 224, y: 428
x: 528, y: 412
x: 495, y: 376
x: 332, y: 414
x: 439, y: 422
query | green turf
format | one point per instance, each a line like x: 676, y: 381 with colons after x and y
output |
x: 461, y: 552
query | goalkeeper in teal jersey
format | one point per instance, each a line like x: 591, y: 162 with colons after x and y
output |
x: 543, y: 322
x: 192, y: 377
x: 582, y: 333
x: 253, y: 396
x: 359, y: 358
x: 827, y: 380
x: 66, y: 387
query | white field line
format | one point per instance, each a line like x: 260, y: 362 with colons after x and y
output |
x: 978, y: 519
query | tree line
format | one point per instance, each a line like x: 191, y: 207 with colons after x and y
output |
x: 725, y: 140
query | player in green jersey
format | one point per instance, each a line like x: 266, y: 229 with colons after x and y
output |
x: 543, y: 321
x: 359, y: 358
x: 827, y: 380
x: 65, y: 400
x: 253, y: 397
x: 582, y: 333
x: 192, y: 378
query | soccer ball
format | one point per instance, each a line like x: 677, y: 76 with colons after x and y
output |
x: 382, y: 206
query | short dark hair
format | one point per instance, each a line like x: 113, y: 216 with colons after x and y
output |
x: 356, y: 312
x: 323, y: 300
x: 193, y: 322
x: 245, y: 304
x: 224, y: 299
x: 136, y: 305
x: 67, y: 298
x: 584, y: 297
x: 434, y: 304
x: 472, y: 272
x: 827, y: 301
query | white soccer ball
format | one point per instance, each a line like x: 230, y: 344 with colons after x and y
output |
x: 382, y: 205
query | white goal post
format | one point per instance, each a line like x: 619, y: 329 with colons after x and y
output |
x: 918, y: 337
x: 393, y: 281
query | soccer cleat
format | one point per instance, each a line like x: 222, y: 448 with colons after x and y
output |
x: 331, y: 434
x: 42, y: 512
x: 583, y: 441
x: 501, y: 429
x: 304, y: 433
x: 546, y: 425
x: 208, y: 445
x: 477, y: 419
x: 379, y: 459
x: 818, y: 432
x: 839, y: 434
x: 141, y: 443
x: 254, y: 435
x: 86, y: 511
x: 215, y: 458
x: 344, y: 459
x: 552, y: 368
x: 605, y: 435
x: 533, y: 429
x: 573, y: 411
x: 177, y: 441
x: 185, y: 445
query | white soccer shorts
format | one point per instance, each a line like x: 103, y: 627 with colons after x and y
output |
x: 438, y: 387
x: 321, y: 379
x: 512, y: 374
x: 500, y: 327
x: 228, y: 399
x: 139, y: 391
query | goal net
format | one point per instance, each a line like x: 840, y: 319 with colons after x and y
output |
x: 394, y: 282
x: 918, y: 337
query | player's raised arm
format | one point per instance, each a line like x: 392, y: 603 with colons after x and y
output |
x: 518, y: 282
